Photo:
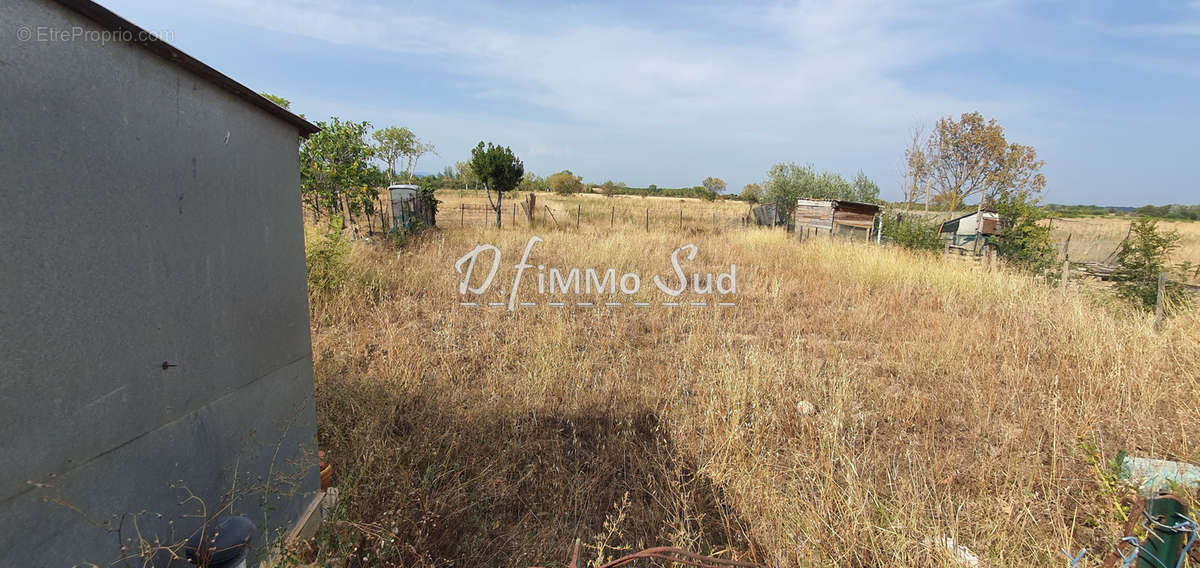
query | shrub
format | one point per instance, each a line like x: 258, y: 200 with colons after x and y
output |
x: 1143, y: 256
x: 911, y: 232
x: 1022, y: 241
x: 325, y: 260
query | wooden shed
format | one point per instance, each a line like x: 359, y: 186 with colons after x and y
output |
x: 835, y: 217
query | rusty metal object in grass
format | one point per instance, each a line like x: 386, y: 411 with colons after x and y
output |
x: 669, y: 554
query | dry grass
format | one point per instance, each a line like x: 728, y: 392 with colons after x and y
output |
x: 946, y: 402
x: 1094, y: 238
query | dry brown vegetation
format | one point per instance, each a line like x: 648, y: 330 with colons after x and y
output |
x: 1095, y: 238
x: 857, y: 407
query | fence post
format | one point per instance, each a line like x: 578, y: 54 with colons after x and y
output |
x: 612, y: 217
x: 578, y: 213
x: 1159, y: 299
x: 681, y: 218
x: 514, y: 214
x: 1066, y: 275
x: 462, y: 214
x: 647, y: 219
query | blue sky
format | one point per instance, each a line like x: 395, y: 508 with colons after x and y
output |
x: 670, y: 93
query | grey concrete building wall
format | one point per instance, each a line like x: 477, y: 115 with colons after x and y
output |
x: 147, y: 217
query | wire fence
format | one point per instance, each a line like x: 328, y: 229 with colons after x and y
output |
x: 594, y: 216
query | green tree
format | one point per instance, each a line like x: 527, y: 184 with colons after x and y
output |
x: 336, y: 173
x: 864, y: 189
x: 1022, y: 240
x: 1143, y: 255
x: 533, y: 182
x: 714, y: 185
x: 465, y: 175
x: 565, y: 183
x: 786, y: 183
x: 499, y: 170
x: 391, y: 144
x: 912, y: 232
x: 752, y: 192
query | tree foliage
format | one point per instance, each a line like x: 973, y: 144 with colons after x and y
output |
x: 336, y: 172
x: 533, y: 182
x: 610, y: 188
x: 391, y: 144
x: 396, y: 142
x: 864, y: 189
x: 1023, y: 241
x: 752, y: 192
x: 277, y: 100
x: 499, y: 170
x: 714, y: 185
x: 565, y: 183
x: 970, y: 157
x: 911, y: 231
x: 787, y: 182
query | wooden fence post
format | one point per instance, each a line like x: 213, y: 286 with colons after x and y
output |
x: 647, y: 219
x: 612, y: 217
x: 681, y: 218
x: 578, y: 213
x: 462, y: 214
x: 1159, y: 299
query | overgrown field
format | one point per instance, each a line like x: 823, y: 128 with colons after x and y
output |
x: 1095, y: 238
x: 857, y: 407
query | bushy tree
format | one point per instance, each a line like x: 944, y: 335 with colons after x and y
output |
x: 913, y: 232
x: 1141, y: 258
x: 396, y: 142
x: 788, y: 182
x: 336, y: 173
x: 565, y: 183
x: 714, y: 185
x: 970, y: 157
x: 1022, y: 240
x: 864, y: 189
x: 391, y: 144
x: 499, y: 170
x: 533, y: 182
x: 752, y: 193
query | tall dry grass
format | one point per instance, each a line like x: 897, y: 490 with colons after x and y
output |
x: 857, y: 407
x: 1095, y: 238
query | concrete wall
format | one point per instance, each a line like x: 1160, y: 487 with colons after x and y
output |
x: 146, y: 216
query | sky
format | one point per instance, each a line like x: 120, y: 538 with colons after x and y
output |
x: 671, y: 93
